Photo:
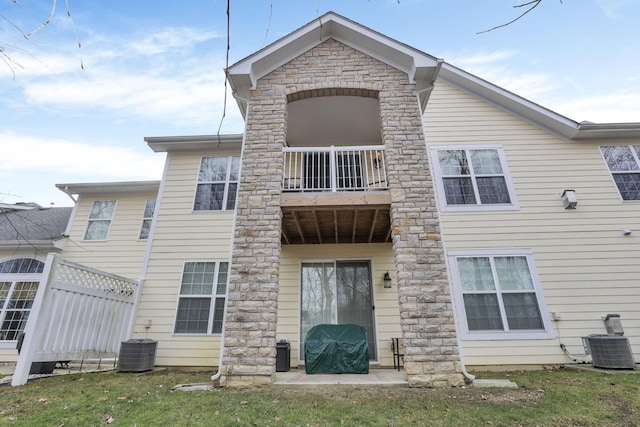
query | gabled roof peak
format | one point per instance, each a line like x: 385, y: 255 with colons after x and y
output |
x: 420, y: 67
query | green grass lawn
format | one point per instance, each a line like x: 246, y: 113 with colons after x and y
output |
x: 544, y: 398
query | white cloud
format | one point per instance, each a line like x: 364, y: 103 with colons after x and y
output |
x: 157, y: 77
x: 566, y: 95
x: 168, y: 39
x: 195, y: 96
x: 610, y: 108
x: 611, y: 8
x: 497, y: 67
x: 24, y: 153
x: 482, y: 58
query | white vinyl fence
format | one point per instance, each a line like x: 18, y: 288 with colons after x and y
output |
x: 78, y: 313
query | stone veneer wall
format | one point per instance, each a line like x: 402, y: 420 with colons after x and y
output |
x: 431, y: 352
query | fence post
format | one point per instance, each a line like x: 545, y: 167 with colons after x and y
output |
x: 32, y: 334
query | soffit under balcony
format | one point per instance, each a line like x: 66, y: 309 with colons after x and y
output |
x: 345, y: 217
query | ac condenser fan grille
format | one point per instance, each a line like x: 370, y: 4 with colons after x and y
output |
x: 609, y: 351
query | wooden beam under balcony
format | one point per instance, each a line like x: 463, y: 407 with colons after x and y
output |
x: 346, y: 200
x: 336, y: 217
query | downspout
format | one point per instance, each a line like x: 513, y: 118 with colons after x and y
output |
x: 147, y: 252
x: 431, y: 85
x: 65, y: 190
x: 469, y: 376
x: 67, y: 231
x: 233, y: 233
x: 429, y: 88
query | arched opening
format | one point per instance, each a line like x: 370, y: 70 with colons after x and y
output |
x: 19, y: 281
x: 339, y: 117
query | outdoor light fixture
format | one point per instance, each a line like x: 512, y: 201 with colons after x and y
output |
x: 569, y: 199
x: 387, y: 280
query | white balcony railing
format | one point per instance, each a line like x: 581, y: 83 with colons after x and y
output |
x: 334, y: 169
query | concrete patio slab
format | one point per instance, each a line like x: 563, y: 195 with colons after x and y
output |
x: 375, y: 376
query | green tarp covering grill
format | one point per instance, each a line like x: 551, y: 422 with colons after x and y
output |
x: 336, y: 349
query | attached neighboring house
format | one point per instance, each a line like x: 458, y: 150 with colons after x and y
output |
x: 28, y: 232
x: 505, y: 228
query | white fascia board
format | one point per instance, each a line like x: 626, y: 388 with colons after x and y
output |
x: 551, y: 121
x: 244, y: 74
x: 33, y: 244
x: 125, y: 187
x: 608, y: 132
x: 502, y: 98
x: 163, y: 144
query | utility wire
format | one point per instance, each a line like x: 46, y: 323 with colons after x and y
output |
x: 266, y: 34
x: 226, y: 76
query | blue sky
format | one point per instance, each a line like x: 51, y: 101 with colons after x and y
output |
x: 155, y: 68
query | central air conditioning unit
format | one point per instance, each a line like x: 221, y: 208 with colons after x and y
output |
x: 137, y: 355
x: 609, y: 351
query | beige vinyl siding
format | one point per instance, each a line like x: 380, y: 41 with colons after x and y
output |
x: 387, y: 314
x: 122, y: 253
x: 181, y: 235
x: 587, y: 268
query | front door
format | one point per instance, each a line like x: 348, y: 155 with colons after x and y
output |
x: 337, y: 292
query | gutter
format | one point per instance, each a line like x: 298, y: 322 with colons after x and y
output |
x: 430, y: 87
x: 34, y: 244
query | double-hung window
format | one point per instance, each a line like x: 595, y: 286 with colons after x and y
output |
x: 202, y: 295
x: 147, y: 218
x: 475, y: 178
x: 624, y: 164
x: 100, y: 218
x: 498, y: 295
x: 217, y: 184
x: 19, y: 281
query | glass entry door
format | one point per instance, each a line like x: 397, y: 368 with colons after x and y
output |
x: 336, y: 293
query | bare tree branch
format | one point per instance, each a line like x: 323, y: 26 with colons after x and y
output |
x: 533, y: 4
x: 19, y: 235
x: 6, y: 48
x: 46, y: 21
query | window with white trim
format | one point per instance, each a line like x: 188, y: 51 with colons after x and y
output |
x: 498, y: 296
x: 623, y: 162
x: 100, y: 218
x: 473, y: 178
x: 217, y: 184
x: 147, y: 218
x: 202, y: 296
x: 19, y: 281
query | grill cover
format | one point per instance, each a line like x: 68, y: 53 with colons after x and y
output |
x: 336, y: 349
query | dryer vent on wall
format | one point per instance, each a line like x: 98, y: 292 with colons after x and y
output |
x: 137, y: 355
x: 609, y: 351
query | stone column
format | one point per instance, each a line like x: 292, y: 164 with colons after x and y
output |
x: 428, y: 329
x: 250, y: 329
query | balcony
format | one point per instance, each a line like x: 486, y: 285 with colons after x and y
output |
x: 335, y: 195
